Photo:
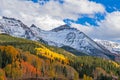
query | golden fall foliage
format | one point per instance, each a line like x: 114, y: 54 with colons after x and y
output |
x: 114, y: 63
x: 2, y: 75
x: 52, y: 55
x: 85, y: 77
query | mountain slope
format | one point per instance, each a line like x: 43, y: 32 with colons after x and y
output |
x: 71, y: 37
x: 15, y: 27
x: 29, y: 45
x: 28, y: 55
x: 112, y: 46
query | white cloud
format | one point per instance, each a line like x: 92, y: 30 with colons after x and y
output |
x: 108, y: 28
x: 71, y: 9
x: 0, y: 17
x: 51, y: 14
x: 29, y: 13
x: 84, y: 6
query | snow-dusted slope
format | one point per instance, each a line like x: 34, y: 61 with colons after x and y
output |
x: 15, y: 28
x: 112, y: 46
x: 67, y: 36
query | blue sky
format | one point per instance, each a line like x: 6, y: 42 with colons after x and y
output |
x: 110, y: 6
x: 97, y: 18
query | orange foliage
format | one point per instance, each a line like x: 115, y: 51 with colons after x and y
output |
x: 29, y: 70
x: 2, y: 75
x: 2, y: 48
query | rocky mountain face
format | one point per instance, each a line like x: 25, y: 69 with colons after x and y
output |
x: 15, y: 28
x: 112, y: 46
x: 63, y: 36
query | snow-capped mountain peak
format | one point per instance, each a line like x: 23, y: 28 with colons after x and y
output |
x: 33, y: 25
x: 15, y: 27
x: 63, y: 27
x: 110, y: 45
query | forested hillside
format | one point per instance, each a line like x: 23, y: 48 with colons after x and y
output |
x: 22, y: 59
x: 19, y: 60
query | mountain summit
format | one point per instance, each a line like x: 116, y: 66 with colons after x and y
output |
x: 63, y: 27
